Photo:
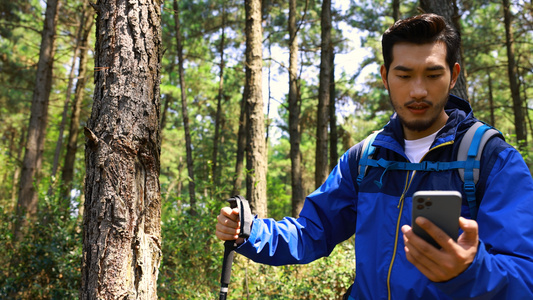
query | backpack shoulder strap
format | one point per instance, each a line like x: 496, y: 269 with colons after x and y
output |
x: 470, y: 151
x: 467, y: 162
x: 366, y: 153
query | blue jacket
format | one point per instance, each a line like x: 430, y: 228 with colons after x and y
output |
x: 503, y: 267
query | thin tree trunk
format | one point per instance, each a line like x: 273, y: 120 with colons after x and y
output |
x: 269, y: 89
x: 166, y: 104
x: 450, y: 12
x: 219, y: 102
x: 491, y: 100
x: 16, y: 172
x: 396, y: 10
x: 298, y: 195
x: 122, y: 215
x: 321, y: 164
x: 184, y: 111
x: 85, y: 14
x: 257, y: 156
x: 67, y: 175
x: 528, y: 116
x: 31, y: 165
x: 59, y: 143
x: 241, y: 146
x: 333, y: 136
x: 525, y: 96
x: 167, y: 100
x: 518, y: 107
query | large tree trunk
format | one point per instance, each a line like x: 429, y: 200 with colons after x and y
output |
x: 518, y: 106
x: 67, y: 174
x: 31, y: 165
x: 298, y: 195
x: 184, y: 111
x: 321, y: 164
x: 122, y: 216
x: 450, y: 12
x: 257, y: 157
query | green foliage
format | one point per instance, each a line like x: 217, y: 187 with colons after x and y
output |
x: 326, y: 278
x: 46, y: 264
x: 191, y: 253
x: 192, y: 263
x: 279, y: 196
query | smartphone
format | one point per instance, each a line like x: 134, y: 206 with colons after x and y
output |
x: 443, y: 208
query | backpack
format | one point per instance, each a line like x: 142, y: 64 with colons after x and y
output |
x: 467, y: 163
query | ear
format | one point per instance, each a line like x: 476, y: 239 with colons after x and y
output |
x: 383, y: 72
x: 455, y: 74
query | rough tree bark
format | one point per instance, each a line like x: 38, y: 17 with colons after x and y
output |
x: 321, y: 164
x: 256, y: 156
x: 450, y: 12
x: 32, y: 162
x: 122, y: 215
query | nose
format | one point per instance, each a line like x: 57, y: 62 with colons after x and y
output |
x: 418, y: 89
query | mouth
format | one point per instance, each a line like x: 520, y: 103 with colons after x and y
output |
x: 418, y: 107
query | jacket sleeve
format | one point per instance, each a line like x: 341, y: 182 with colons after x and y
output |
x: 327, y: 218
x: 503, y: 267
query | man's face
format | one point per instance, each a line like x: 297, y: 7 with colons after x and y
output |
x: 419, y: 82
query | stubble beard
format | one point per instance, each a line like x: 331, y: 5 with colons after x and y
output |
x: 421, y: 125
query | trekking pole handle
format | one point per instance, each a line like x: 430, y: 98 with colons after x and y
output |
x: 229, y: 254
x: 245, y: 216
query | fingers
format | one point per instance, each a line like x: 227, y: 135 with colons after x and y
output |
x: 447, y: 262
x: 232, y: 213
x: 418, y: 248
x: 422, y: 255
x: 228, y: 224
x: 470, y: 232
x: 441, y: 237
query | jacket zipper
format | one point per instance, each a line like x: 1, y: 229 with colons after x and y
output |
x: 408, y: 181
x: 400, y: 206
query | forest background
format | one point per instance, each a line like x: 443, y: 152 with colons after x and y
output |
x: 203, y: 49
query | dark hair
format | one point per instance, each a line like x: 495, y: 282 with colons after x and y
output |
x: 422, y: 29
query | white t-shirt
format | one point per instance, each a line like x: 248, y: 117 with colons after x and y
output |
x: 416, y: 149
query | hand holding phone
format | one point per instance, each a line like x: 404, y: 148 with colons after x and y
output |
x: 442, y: 208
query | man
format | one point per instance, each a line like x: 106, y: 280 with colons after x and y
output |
x: 493, y: 256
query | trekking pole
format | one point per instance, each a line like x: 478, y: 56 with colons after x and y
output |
x: 245, y: 216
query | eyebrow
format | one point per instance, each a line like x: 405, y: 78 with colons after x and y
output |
x: 431, y: 68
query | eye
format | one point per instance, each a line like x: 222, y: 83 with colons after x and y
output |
x: 434, y: 76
